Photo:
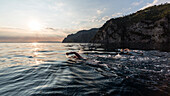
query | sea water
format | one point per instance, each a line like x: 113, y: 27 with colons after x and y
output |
x: 42, y: 69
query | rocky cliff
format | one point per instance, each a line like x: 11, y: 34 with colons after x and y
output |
x: 148, y: 26
x: 83, y: 36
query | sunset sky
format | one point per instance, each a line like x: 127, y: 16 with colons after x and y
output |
x: 52, y: 20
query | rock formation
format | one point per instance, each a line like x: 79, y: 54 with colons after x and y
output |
x: 83, y: 36
x: 148, y: 26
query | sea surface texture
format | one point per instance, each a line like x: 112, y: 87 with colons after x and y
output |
x: 42, y: 69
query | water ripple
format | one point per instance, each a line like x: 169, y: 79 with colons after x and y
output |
x: 43, y: 70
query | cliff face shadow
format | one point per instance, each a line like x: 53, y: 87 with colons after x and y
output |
x: 138, y: 46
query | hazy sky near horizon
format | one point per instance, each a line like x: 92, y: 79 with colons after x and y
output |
x: 57, y: 18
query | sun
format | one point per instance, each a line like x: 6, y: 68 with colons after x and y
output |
x: 34, y: 25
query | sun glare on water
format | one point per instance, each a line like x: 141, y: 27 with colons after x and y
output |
x: 35, y: 25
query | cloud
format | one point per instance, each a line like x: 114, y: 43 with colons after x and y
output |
x: 29, y: 39
x: 137, y: 3
x: 105, y: 18
x: 94, y: 19
x: 99, y: 12
x: 156, y: 2
x: 7, y: 34
x: 97, y: 21
x: 63, y: 32
x: 126, y: 10
x: 48, y: 28
x: 5, y: 31
x: 57, y: 6
x: 75, y: 22
x: 23, y: 35
x: 116, y: 14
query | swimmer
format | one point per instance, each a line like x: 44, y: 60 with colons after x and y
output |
x: 87, y: 61
x: 125, y: 51
x: 77, y: 56
x: 129, y: 52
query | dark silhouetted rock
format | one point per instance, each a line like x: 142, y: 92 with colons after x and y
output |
x: 83, y: 36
